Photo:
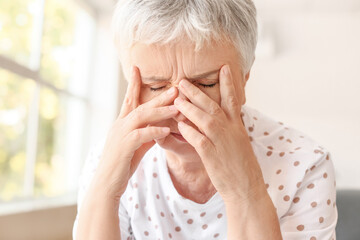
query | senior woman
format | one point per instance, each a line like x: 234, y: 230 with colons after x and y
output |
x: 186, y: 158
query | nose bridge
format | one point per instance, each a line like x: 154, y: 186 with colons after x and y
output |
x: 180, y: 117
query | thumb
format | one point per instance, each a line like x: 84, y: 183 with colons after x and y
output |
x: 139, y: 154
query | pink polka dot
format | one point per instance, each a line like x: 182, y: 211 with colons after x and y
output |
x: 296, y: 163
x: 204, y: 226
x: 185, y: 211
x: 216, y: 235
x: 281, y: 154
x: 170, y: 236
x: 155, y: 175
x: 155, y: 159
x: 149, y: 218
x: 278, y: 171
x: 281, y: 187
x: 136, y: 205
x: 286, y: 198
x: 269, y: 153
x: 157, y: 196
x: 311, y: 186
x: 202, y: 214
x: 300, y: 227
x: 219, y: 215
x: 146, y: 233
x: 162, y: 214
x: 325, y: 175
x: 190, y: 221
x: 178, y: 229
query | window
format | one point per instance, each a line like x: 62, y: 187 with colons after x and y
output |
x: 46, y: 52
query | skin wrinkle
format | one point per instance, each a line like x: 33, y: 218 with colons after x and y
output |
x: 186, y: 169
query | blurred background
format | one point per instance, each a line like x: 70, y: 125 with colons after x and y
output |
x: 61, y: 86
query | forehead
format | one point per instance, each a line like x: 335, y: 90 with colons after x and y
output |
x: 166, y: 60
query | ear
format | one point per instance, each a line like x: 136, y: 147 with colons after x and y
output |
x: 246, y: 78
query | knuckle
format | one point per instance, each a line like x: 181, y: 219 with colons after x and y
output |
x: 214, y: 109
x: 138, y: 114
x: 128, y: 101
x: 232, y: 101
x: 136, y: 135
x: 203, y: 143
x: 211, y: 124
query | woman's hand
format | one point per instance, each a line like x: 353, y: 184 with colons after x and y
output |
x: 222, y: 142
x: 130, y: 137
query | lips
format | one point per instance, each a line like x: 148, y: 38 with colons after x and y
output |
x: 179, y: 137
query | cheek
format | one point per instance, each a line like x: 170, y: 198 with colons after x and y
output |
x: 213, y: 93
x: 146, y: 95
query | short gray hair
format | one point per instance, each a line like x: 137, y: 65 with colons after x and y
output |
x: 167, y: 21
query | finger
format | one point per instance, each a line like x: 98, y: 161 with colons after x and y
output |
x: 139, y: 154
x: 163, y: 99
x: 206, y: 123
x: 144, y: 116
x: 201, y: 143
x: 229, y: 101
x: 198, y: 97
x: 131, y: 100
x: 140, y: 136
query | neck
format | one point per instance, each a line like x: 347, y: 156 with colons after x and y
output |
x: 189, y: 177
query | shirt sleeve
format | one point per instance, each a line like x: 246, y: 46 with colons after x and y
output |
x: 313, y: 213
x: 84, y: 181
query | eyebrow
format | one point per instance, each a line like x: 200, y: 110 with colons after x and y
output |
x: 193, y: 78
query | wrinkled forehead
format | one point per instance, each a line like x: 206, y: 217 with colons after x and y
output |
x: 180, y: 59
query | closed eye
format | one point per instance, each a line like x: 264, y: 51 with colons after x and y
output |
x: 203, y: 85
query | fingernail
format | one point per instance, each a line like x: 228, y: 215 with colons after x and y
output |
x: 184, y: 83
x: 178, y: 100
x: 171, y: 91
x: 225, y: 70
x: 181, y: 124
x: 172, y: 108
x: 166, y: 130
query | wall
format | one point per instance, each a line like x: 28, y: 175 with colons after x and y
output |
x: 306, y: 74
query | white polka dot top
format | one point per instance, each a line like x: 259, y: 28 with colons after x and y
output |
x: 298, y: 173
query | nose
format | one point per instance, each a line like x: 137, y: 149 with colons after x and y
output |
x: 180, y: 117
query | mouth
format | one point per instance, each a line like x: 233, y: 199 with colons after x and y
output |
x: 178, y: 136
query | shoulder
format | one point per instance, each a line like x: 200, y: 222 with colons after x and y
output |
x: 292, y: 162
